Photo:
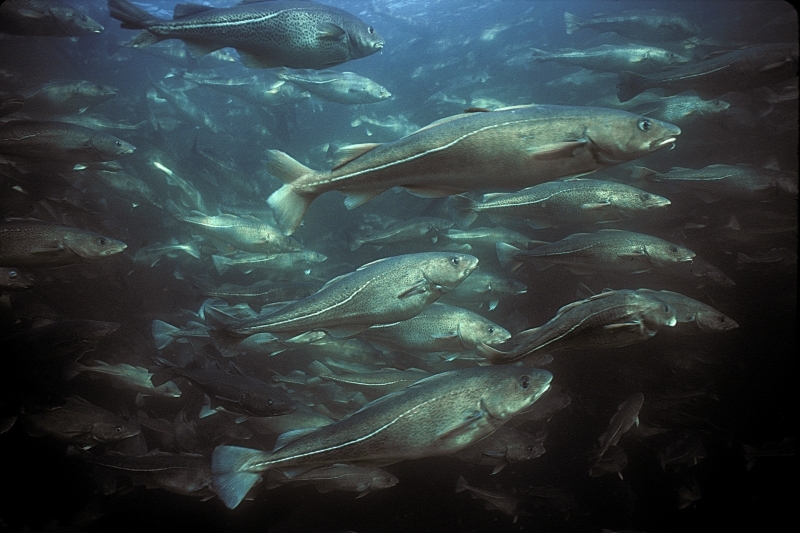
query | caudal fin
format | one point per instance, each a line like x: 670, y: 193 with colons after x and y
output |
x: 287, y: 205
x: 462, y: 210
x: 630, y: 84
x: 572, y: 23
x: 228, y: 477
x: 134, y: 18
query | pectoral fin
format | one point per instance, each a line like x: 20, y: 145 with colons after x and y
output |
x: 561, y: 150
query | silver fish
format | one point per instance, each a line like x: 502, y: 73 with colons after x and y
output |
x: 59, y: 141
x: 266, y: 34
x: 243, y: 232
x: 532, y: 144
x: 438, y: 415
x: 626, y: 416
x: 46, y: 18
x: 643, y: 25
x: 693, y: 316
x: 341, y: 87
x: 614, y: 58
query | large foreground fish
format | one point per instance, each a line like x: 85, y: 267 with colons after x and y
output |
x: 438, y: 415
x: 266, y: 34
x: 510, y: 148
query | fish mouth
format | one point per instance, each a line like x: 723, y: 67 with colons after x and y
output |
x: 660, y: 143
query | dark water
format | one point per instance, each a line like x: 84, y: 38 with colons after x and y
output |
x: 727, y: 389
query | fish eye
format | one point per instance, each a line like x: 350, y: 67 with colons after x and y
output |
x: 370, y: 29
x: 270, y: 402
x: 645, y: 197
x: 491, y: 329
x: 101, y: 241
x: 674, y: 249
x: 12, y: 274
x: 455, y: 261
x: 645, y: 124
x: 529, y: 448
x: 118, y: 429
x: 118, y: 143
x: 525, y: 382
x: 83, y: 18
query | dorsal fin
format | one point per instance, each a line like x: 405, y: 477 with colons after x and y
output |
x: 184, y: 10
x: 345, y: 154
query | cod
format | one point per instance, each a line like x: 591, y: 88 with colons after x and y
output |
x: 437, y: 415
x: 506, y: 149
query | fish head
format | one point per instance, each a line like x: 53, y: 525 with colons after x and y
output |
x: 267, y: 403
x: 447, y: 270
x: 524, y: 449
x: 620, y: 136
x: 663, y: 254
x: 104, y: 147
x: 475, y: 330
x: 381, y: 479
x: 363, y: 40
x: 712, y: 320
x: 715, y: 106
x: 13, y: 279
x: 671, y: 58
x: 96, y: 90
x: 112, y: 430
x: 91, y: 246
x: 73, y: 22
x: 514, y: 388
x: 655, y: 314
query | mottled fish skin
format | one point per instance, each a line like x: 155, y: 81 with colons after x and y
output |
x: 531, y: 144
x: 562, y: 203
x: 608, y: 250
x: 59, y: 141
x: 435, y: 416
x: 51, y: 18
x: 693, y: 316
x: 266, y: 34
x: 37, y: 243
x: 740, y: 70
x: 387, y: 290
x: 246, y: 233
x: 438, y: 328
x: 63, y: 97
x: 681, y: 110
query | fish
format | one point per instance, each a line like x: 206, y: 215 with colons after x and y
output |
x: 387, y: 290
x: 692, y: 315
x: 280, y: 33
x: 492, y: 499
x: 263, y: 291
x: 59, y: 141
x: 237, y: 393
x: 624, y: 419
x: 389, y: 128
x: 345, y: 477
x: 484, y: 287
x: 257, y: 90
x: 35, y: 243
x: 482, y: 237
x: 64, y: 97
x: 153, y: 254
x: 49, y: 18
x: 681, y: 109
x: 437, y: 415
x: 282, y: 263
x: 642, y: 25
x: 11, y: 279
x: 504, y: 446
x: 131, y: 377
x: 401, y: 231
x: 740, y: 182
x: 438, y: 328
x: 164, y: 334
x: 610, y: 319
x: 242, y: 232
x: 79, y: 422
x: 184, y: 106
x: 374, y: 383
x: 577, y: 201
x: 532, y: 143
x: 333, y: 86
x: 613, y: 461
x: 738, y: 70
x: 614, y: 58
x: 606, y: 250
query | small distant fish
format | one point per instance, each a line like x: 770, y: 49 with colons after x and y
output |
x: 492, y: 499
x: 341, y: 87
x: 131, y: 377
x: 59, y: 141
x: 265, y: 34
x: 12, y: 279
x: 286, y: 262
x: 243, y: 232
x: 504, y: 446
x: 614, y: 58
x: 561, y: 203
x: 36, y: 243
x: 693, y: 316
x: 63, y: 97
x: 403, y: 231
x: 52, y: 18
x: 641, y: 25
x: 344, y: 477
x: 681, y: 110
x: 739, y: 70
x: 258, y: 90
x: 626, y: 416
x: 484, y: 287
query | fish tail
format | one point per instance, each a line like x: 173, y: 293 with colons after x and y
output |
x: 163, y: 333
x: 229, y: 478
x: 461, y: 484
x: 353, y: 241
x: 506, y: 253
x: 287, y: 205
x: 462, y: 210
x: 630, y: 84
x: 221, y: 263
x: 134, y: 18
x: 572, y: 23
x: 640, y: 173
